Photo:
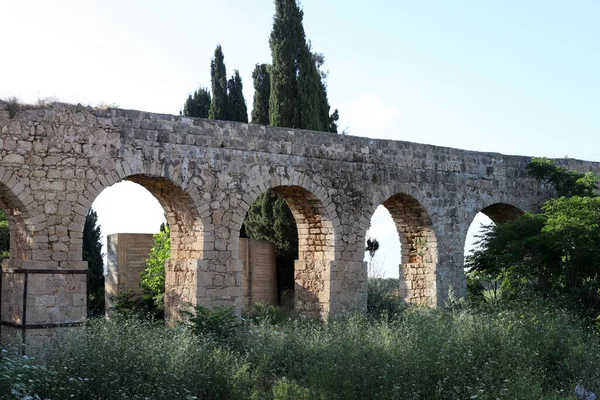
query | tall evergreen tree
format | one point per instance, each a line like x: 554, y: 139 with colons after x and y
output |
x: 92, y: 253
x: 198, y: 104
x: 298, y: 95
x: 237, y: 104
x: 287, y: 41
x: 262, y: 88
x: 219, y: 108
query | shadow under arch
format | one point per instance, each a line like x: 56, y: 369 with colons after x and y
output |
x: 316, y: 224
x: 419, y: 251
x: 16, y: 214
x: 501, y: 213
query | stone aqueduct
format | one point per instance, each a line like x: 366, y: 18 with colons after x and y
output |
x: 55, y: 161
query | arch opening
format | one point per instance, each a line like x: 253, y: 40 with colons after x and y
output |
x: 494, y: 214
x: 310, y: 263
x: 416, y: 250
x: 16, y: 243
x: 145, y: 203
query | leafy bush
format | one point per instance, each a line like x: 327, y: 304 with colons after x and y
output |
x: 130, y: 359
x: 532, y: 350
x: 219, y: 324
x: 153, y: 277
x: 383, y: 297
x: 127, y: 304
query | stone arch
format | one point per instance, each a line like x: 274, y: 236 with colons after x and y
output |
x: 318, y: 236
x: 187, y: 220
x: 419, y: 245
x: 181, y: 202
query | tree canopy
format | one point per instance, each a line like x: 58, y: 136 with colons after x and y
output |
x: 153, y: 277
x: 198, y: 104
x: 237, y: 104
x: 219, y: 107
x: 556, y: 251
x: 262, y: 87
x: 298, y: 97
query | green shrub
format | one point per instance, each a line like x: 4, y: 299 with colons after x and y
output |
x: 132, y: 359
x: 219, y: 324
x: 525, y: 350
x: 383, y: 298
x: 126, y: 303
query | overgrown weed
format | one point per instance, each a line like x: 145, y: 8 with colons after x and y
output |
x: 534, y: 350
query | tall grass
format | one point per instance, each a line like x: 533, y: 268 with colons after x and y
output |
x: 531, y: 351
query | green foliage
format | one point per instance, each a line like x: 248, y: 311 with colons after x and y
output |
x: 566, y: 183
x: 219, y: 107
x: 532, y: 350
x: 92, y: 253
x: 529, y: 352
x: 270, y: 219
x: 127, y: 304
x: 298, y: 96
x: 554, y: 252
x: 153, y: 277
x: 4, y: 237
x: 262, y: 88
x: 383, y: 299
x: 219, y: 324
x: 237, y: 104
x: 198, y: 104
x: 132, y: 359
x: 265, y: 313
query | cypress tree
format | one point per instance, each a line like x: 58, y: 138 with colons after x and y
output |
x: 287, y: 41
x: 218, y: 77
x: 198, y: 104
x: 298, y: 95
x: 92, y: 253
x: 237, y: 104
x: 262, y: 88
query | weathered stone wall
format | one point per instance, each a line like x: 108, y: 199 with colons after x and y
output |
x: 206, y: 174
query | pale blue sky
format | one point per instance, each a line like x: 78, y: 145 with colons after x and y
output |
x: 516, y: 77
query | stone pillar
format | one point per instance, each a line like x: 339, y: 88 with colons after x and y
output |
x: 36, y: 300
x: 348, y: 287
x: 312, y: 287
x: 186, y: 281
x: 418, y: 284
